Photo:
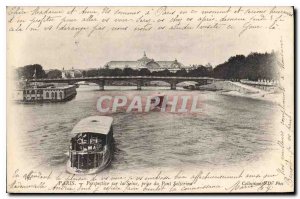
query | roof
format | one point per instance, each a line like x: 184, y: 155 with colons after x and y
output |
x: 170, y: 64
x: 93, y: 124
x: 146, y: 62
x: 122, y: 64
x: 152, y: 65
x: 145, y: 59
x: 49, y: 87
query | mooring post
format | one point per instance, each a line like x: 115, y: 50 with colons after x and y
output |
x: 139, y: 84
x: 173, y: 85
x: 101, y: 84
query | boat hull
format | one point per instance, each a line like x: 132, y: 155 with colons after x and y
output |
x: 105, y: 162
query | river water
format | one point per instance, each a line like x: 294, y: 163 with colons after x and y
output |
x: 228, y: 131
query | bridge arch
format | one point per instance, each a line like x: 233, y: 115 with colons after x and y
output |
x: 201, y: 81
x: 157, y: 83
x: 187, y: 82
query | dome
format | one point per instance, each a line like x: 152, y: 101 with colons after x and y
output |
x: 176, y: 64
x: 152, y: 65
x: 145, y: 59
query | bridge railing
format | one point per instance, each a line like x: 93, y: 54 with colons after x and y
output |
x: 122, y: 77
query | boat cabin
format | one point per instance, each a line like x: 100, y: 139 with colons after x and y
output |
x: 90, y: 145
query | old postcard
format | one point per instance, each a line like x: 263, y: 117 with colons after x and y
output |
x: 150, y: 99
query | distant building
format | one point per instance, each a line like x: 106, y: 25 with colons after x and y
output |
x: 71, y: 73
x: 148, y: 63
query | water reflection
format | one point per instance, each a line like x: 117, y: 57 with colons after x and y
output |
x: 228, y: 131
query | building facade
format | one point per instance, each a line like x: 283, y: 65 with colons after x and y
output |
x: 48, y: 94
x: 147, y: 63
x: 70, y: 73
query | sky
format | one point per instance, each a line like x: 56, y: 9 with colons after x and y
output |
x: 57, y: 50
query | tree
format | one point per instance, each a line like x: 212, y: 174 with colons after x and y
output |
x: 116, y: 72
x: 144, y: 72
x: 104, y: 72
x: 164, y: 73
x: 92, y: 73
x: 253, y: 67
x: 129, y: 72
x: 32, y: 71
x: 19, y: 73
x: 53, y: 74
x: 83, y: 73
x: 200, y: 71
x: 181, y: 73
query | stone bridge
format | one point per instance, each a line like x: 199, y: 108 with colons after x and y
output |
x: 139, y: 80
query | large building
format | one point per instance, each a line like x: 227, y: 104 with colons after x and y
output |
x: 148, y: 63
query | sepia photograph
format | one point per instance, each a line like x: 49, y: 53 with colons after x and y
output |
x: 153, y: 99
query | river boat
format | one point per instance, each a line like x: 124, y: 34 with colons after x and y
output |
x: 91, y: 145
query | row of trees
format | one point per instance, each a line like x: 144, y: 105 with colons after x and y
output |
x: 37, y: 71
x: 199, y: 71
x: 31, y: 71
x: 28, y: 72
x: 254, y: 66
